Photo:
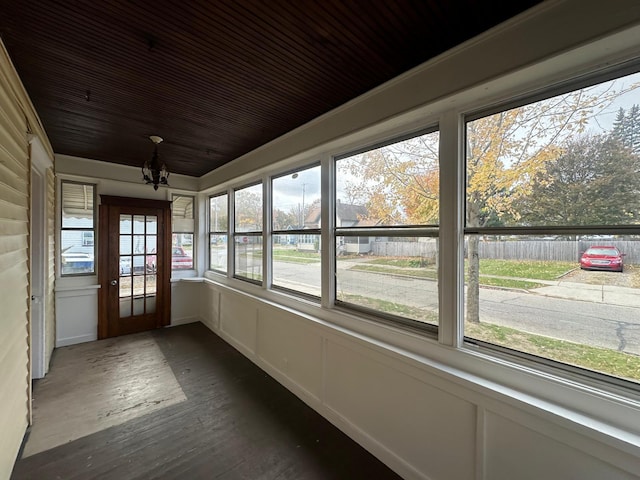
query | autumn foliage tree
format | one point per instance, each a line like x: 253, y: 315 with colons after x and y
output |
x: 398, y: 183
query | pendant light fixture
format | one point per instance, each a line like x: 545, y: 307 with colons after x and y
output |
x: 153, y: 172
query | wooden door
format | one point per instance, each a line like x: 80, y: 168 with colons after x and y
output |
x: 134, y: 265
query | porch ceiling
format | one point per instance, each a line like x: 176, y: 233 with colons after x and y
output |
x: 216, y: 79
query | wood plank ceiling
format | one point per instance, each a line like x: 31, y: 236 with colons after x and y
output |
x: 218, y: 78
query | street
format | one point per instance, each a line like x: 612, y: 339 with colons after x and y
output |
x: 596, y: 324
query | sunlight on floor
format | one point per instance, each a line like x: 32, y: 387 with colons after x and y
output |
x: 97, y: 385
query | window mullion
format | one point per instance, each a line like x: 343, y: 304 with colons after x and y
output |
x: 450, y: 274
x: 267, y: 243
x: 231, y: 235
x: 328, y: 240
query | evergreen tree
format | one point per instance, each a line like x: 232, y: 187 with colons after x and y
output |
x: 626, y: 128
x: 594, y: 182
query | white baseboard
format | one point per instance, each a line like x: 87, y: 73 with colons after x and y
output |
x: 64, y: 342
x: 184, y: 320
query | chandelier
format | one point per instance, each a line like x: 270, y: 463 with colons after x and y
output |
x: 152, y: 171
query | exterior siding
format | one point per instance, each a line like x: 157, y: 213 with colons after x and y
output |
x: 17, y: 118
x: 14, y: 273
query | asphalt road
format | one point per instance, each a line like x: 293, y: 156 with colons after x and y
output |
x: 596, y: 324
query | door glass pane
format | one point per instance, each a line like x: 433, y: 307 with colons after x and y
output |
x: 125, y: 307
x: 151, y: 304
x: 138, y: 244
x: 150, y: 285
x: 152, y: 225
x: 125, y: 224
x: 138, y: 306
x: 138, y: 264
x: 125, y: 244
x: 138, y: 286
x: 138, y: 224
x: 125, y: 287
x: 152, y: 243
x: 125, y: 294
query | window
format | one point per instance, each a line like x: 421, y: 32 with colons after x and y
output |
x: 218, y: 232
x: 77, y: 250
x: 386, y: 230
x: 182, y: 224
x: 295, y: 217
x: 87, y: 239
x: 248, y: 233
x: 546, y: 183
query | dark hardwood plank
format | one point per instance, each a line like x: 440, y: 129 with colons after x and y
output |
x: 237, y: 422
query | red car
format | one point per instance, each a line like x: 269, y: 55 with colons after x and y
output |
x: 602, y: 258
x: 180, y: 260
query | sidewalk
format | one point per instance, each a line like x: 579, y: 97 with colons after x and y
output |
x: 610, y: 295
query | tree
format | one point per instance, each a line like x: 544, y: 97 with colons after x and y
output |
x: 504, y: 153
x: 594, y: 182
x: 398, y: 184
x: 507, y: 150
x: 248, y: 209
x: 626, y: 128
x: 285, y: 220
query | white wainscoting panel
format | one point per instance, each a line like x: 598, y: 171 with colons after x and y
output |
x: 292, y: 348
x: 184, y: 302
x: 430, y: 429
x: 76, y: 315
x: 209, y: 304
x: 238, y: 322
x: 513, y: 450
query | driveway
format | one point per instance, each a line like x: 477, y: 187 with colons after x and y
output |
x: 629, y: 278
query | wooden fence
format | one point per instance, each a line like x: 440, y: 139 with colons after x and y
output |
x: 560, y: 250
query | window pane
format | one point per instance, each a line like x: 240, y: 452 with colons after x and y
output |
x: 296, y: 200
x: 218, y: 219
x: 248, y: 257
x: 76, y: 257
x: 296, y: 263
x: 77, y: 205
x: 392, y: 185
x: 182, y: 251
x: 569, y: 160
x: 566, y: 298
x: 218, y: 252
x: 248, y: 209
x: 182, y: 213
x: 391, y: 275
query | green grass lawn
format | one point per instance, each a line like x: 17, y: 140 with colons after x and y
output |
x: 393, y: 308
x: 535, y: 269
x: 610, y: 362
x: 408, y: 262
x: 420, y: 273
x: 602, y: 360
x: 415, y: 267
x: 295, y: 256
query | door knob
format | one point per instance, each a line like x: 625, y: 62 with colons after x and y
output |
x: 114, y: 282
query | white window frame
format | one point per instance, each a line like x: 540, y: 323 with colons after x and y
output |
x: 79, y: 229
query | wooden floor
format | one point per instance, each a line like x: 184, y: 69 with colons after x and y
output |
x: 223, y: 418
